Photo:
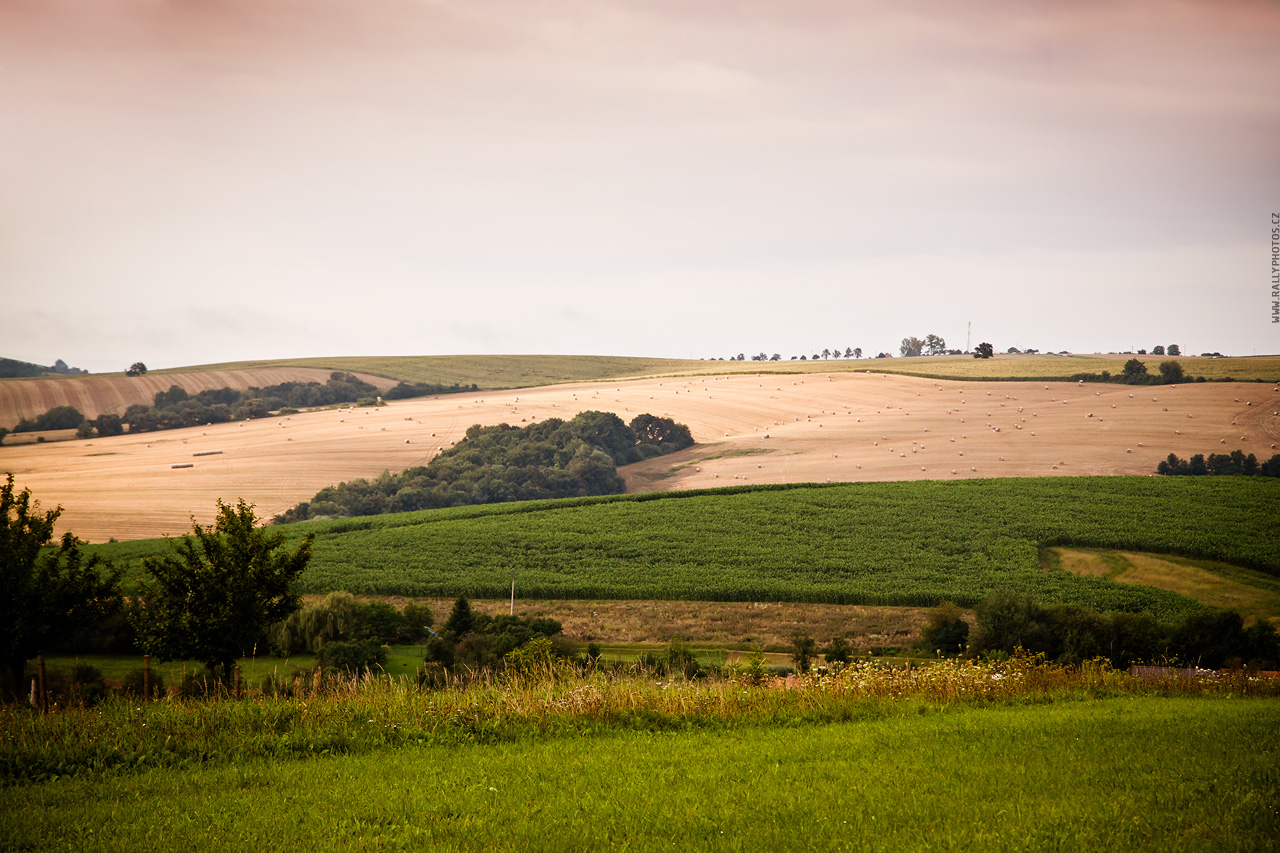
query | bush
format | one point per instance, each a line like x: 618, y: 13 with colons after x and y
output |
x: 87, y: 686
x: 755, y: 671
x: 839, y: 652
x: 355, y: 657
x: 946, y: 632
x: 199, y: 684
x: 804, y: 652
x: 135, y: 681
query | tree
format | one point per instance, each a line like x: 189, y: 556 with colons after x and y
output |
x: 984, y: 350
x: 1157, y: 350
x: 934, y: 345
x: 911, y: 346
x: 804, y: 652
x: 461, y: 621
x: 1174, y: 349
x: 946, y: 631
x: 108, y: 424
x: 49, y: 596
x: 857, y: 352
x: 1134, y: 371
x: 826, y: 353
x: 215, y: 597
x: 136, y: 369
x: 1170, y: 372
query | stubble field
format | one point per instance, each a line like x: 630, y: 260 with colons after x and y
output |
x: 766, y: 428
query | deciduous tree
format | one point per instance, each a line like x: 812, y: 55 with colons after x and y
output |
x: 220, y: 590
x: 49, y: 596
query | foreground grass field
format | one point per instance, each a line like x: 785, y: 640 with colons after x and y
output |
x: 1132, y: 773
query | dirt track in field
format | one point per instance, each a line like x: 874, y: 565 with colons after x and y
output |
x: 95, y: 395
x: 767, y: 429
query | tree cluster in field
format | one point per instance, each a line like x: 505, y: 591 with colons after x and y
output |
x: 826, y: 353
x: 350, y: 635
x: 176, y: 408
x: 1135, y: 373
x: 549, y: 459
x: 478, y: 641
x: 405, y: 390
x: 1173, y: 349
x: 912, y: 347
x: 1071, y: 634
x: 1235, y: 462
x: 14, y: 369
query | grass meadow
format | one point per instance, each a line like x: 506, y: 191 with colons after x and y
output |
x: 955, y: 755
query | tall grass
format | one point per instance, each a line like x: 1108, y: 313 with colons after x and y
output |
x: 356, y: 715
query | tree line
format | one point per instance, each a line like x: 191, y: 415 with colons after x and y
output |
x: 549, y: 459
x: 1071, y: 634
x: 176, y: 408
x: 1235, y: 462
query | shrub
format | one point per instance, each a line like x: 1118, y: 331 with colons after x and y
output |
x: 804, y: 652
x: 839, y: 652
x: 199, y: 684
x: 355, y: 657
x: 135, y: 681
x: 946, y: 632
x: 87, y: 685
x: 755, y: 671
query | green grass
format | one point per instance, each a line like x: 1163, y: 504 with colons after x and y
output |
x: 1250, y: 593
x: 1121, y: 774
x: 520, y: 371
x: 881, y: 544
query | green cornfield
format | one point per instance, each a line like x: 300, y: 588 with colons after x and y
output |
x: 883, y: 544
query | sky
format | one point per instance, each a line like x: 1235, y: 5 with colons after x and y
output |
x: 194, y: 181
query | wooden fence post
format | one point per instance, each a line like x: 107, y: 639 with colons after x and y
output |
x: 44, y: 697
x: 146, y: 677
x: 237, y: 681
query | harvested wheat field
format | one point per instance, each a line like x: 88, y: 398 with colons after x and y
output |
x: 749, y: 429
x: 96, y: 395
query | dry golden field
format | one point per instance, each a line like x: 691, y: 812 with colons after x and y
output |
x: 753, y: 429
x: 94, y: 395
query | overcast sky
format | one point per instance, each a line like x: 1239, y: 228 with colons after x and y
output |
x: 192, y: 181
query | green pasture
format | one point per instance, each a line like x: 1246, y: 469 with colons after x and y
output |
x: 522, y: 371
x: 1132, y: 773
x: 881, y: 544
